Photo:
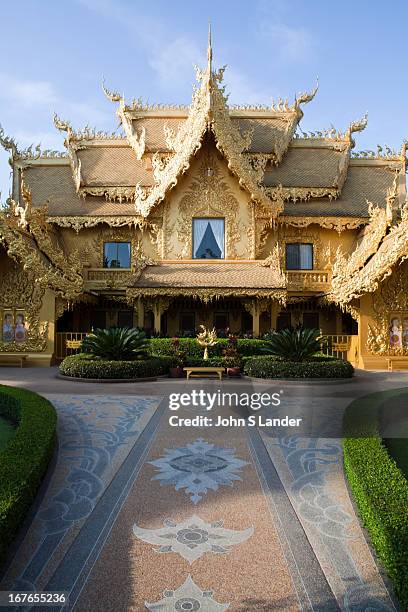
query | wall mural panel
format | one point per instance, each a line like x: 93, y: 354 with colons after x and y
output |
x: 388, y: 334
x: 20, y: 304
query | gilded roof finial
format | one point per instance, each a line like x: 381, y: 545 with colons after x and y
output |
x: 209, y: 50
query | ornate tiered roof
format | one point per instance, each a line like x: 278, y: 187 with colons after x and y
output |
x: 292, y: 175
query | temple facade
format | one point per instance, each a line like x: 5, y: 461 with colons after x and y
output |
x: 209, y: 214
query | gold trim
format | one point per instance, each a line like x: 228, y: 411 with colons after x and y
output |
x: 208, y: 196
x: 208, y: 112
x: 339, y: 224
x: 79, y: 223
x: 204, y: 294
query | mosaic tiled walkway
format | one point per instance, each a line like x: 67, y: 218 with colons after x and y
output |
x: 139, y: 515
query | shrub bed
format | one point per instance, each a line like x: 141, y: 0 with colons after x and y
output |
x: 246, y: 347
x: 85, y: 366
x: 25, y: 458
x: 219, y: 362
x: 273, y: 367
x: 379, y: 487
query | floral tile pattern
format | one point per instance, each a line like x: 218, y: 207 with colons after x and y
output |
x: 198, y: 468
x: 187, y: 597
x: 94, y: 431
x: 193, y: 537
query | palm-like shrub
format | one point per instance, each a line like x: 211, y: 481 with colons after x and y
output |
x: 298, y: 344
x: 116, y: 344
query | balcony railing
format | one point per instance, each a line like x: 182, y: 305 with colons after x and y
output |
x: 67, y: 343
x: 342, y: 346
x: 309, y: 280
x: 112, y: 278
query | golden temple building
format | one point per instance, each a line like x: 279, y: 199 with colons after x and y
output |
x: 227, y: 216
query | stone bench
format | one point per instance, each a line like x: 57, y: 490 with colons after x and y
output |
x: 12, y: 358
x: 195, y: 372
x: 398, y: 362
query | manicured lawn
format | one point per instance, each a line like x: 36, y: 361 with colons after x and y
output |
x: 7, y: 431
x: 398, y: 447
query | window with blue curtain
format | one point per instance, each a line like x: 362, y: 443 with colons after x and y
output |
x: 299, y: 256
x: 116, y: 255
x: 208, y: 238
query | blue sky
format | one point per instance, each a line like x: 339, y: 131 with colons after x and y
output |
x: 55, y: 54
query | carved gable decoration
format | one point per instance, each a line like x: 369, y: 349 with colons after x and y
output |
x: 208, y: 112
x: 209, y: 196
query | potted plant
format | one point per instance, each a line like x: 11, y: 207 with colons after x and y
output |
x: 232, y: 358
x: 178, y: 356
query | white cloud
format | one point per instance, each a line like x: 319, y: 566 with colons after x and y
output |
x: 26, y: 92
x: 23, y: 94
x: 49, y: 140
x: 171, y: 61
x: 241, y: 91
x: 291, y: 43
x: 174, y: 61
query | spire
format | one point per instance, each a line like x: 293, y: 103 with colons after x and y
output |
x: 209, y: 50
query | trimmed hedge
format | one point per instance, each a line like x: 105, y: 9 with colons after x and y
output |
x: 273, y: 367
x: 25, y: 458
x: 84, y: 366
x: 219, y: 362
x: 378, y: 486
x: 246, y: 347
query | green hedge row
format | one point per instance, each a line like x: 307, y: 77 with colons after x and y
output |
x: 25, y: 458
x: 246, y: 347
x: 219, y: 362
x: 271, y: 367
x: 378, y: 486
x: 84, y: 366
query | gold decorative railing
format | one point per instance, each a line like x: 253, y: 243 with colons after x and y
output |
x: 67, y: 343
x: 342, y: 346
x: 117, y: 278
x: 311, y: 280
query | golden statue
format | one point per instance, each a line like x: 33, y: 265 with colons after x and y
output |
x: 207, y: 338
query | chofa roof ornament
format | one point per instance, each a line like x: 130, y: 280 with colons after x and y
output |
x: 136, y: 139
x: 306, y: 96
x: 356, y: 126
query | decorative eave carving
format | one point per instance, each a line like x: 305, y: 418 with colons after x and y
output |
x: 204, y: 294
x: 85, y: 222
x: 27, y: 239
x: 345, y: 268
x: 302, y: 194
x: 340, y: 224
x: 393, y: 249
x: 111, y: 194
